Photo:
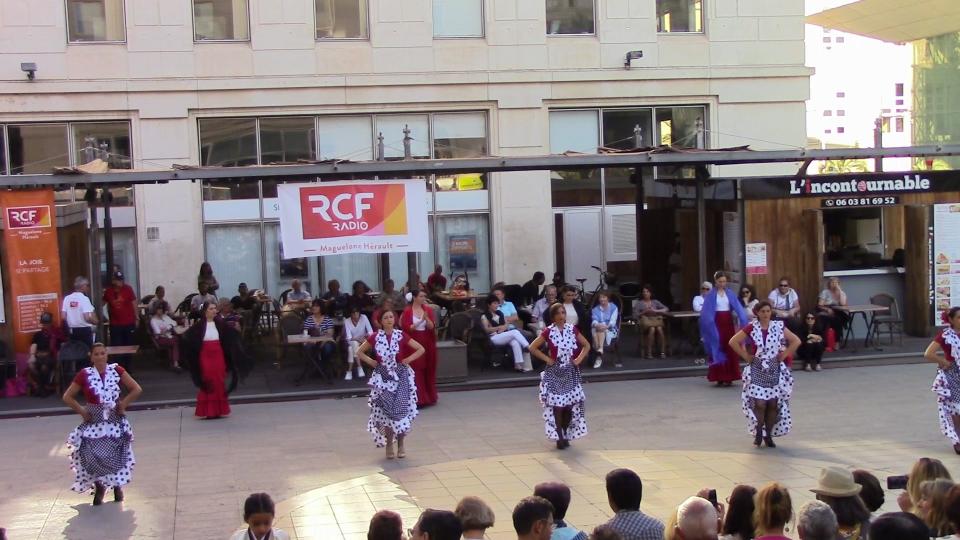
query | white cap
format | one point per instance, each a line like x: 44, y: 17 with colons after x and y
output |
x: 706, y: 285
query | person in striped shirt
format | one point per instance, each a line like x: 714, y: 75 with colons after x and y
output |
x: 318, y: 324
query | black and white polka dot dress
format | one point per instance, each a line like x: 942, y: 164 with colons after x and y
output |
x: 393, y: 392
x: 101, y: 450
x: 947, y: 385
x: 766, y: 378
x: 561, y: 384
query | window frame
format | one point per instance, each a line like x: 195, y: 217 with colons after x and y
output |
x: 703, y: 22
x: 193, y: 22
x: 369, y: 26
x: 483, y: 23
x: 123, y: 15
x: 596, y: 21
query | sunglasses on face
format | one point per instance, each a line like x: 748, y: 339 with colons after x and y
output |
x: 811, y: 318
x: 784, y: 284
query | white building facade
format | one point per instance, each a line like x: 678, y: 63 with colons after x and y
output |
x: 239, y: 82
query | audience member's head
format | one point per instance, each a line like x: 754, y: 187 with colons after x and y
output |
x: 437, y: 525
x: 924, y: 469
x: 385, y: 525
x: 837, y: 488
x: 624, y: 490
x: 539, y: 277
x: 533, y: 518
x: 871, y: 492
x: 932, y: 507
x: 474, y: 514
x: 952, y: 507
x: 604, y: 532
x: 558, y: 494
x: 898, y: 526
x: 258, y: 513
x: 739, y: 518
x: 816, y: 521
x: 697, y: 520
x: 773, y: 509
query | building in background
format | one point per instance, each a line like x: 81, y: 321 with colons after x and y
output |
x: 240, y: 82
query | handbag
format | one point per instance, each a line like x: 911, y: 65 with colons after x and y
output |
x: 651, y: 321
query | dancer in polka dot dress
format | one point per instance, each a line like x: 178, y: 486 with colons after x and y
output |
x: 561, y: 390
x: 102, y: 446
x: 767, y: 381
x: 393, y: 392
x: 947, y: 383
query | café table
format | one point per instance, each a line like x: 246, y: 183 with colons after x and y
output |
x: 687, y: 321
x: 113, y: 350
x: 863, y: 310
x: 308, y: 361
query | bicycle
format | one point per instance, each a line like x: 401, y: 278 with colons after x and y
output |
x: 606, y: 280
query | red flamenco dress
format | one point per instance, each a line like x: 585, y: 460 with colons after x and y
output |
x: 717, y: 326
x: 210, y: 362
x: 425, y: 367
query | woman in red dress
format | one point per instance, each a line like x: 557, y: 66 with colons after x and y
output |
x: 210, y: 344
x: 717, y: 326
x: 418, y: 322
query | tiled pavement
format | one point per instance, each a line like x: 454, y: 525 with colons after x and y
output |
x: 315, y: 459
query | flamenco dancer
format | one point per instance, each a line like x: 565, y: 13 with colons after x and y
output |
x: 209, y: 344
x: 716, y: 329
x: 561, y: 390
x: 767, y: 381
x: 102, y: 446
x: 393, y: 392
x: 947, y: 383
x: 418, y: 321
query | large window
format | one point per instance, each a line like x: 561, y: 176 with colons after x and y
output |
x: 229, y: 142
x: 570, y: 17
x: 457, y: 18
x: 854, y: 239
x: 220, y: 20
x: 234, y: 252
x: 679, y: 16
x: 341, y: 19
x: 95, y: 20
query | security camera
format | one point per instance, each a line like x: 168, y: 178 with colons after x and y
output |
x: 631, y: 55
x: 30, y: 68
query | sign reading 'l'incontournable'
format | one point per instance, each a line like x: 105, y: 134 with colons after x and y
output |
x: 865, y: 184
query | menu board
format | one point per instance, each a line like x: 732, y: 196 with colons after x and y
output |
x: 946, y: 257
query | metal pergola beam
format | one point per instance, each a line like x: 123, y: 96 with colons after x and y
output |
x: 386, y: 169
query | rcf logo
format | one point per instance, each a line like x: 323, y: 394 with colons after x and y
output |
x: 28, y: 217
x: 361, y: 210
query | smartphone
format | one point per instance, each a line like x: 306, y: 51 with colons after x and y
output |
x: 712, y: 497
x: 897, y: 482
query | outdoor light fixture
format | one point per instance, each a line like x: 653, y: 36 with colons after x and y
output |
x: 632, y: 55
x: 30, y: 68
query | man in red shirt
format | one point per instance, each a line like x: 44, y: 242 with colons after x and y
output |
x: 121, y: 305
x: 436, y: 282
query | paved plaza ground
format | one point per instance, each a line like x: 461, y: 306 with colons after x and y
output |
x: 321, y: 467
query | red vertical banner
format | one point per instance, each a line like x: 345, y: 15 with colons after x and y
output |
x: 32, y: 261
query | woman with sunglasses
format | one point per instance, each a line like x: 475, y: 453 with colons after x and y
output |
x: 813, y: 340
x: 749, y: 300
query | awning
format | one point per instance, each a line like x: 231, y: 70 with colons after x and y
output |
x: 895, y: 21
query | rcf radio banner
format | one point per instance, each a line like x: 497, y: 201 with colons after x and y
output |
x: 332, y: 218
x: 32, y: 262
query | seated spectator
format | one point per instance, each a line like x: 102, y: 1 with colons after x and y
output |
x: 785, y: 303
x: 164, y: 332
x: 201, y: 298
x: 390, y: 293
x: 648, y: 311
x: 624, y: 493
x: 244, y: 299
x: 159, y: 295
x: 387, y: 305
x: 816, y: 521
x: 924, y: 469
x: 812, y: 343
x: 413, y: 284
x: 871, y: 492
x: 360, y: 299
x: 335, y: 301
x: 437, y: 525
x: 604, y: 324
x: 533, y: 519
x: 297, y: 297
x: 559, y: 496
x: 541, y: 309
x: 829, y: 299
x: 932, y: 507
x: 530, y: 292
x: 749, y: 300
x: 229, y: 316
x: 474, y: 515
x: 898, y: 526
x: 697, y: 519
x: 603, y: 532
x: 705, y: 287
x: 356, y: 328
x: 495, y: 324
x: 510, y: 312
x: 43, y: 356
x: 385, y: 525
x: 836, y: 487
x: 773, y: 511
x: 436, y: 281
x: 318, y: 324
x: 738, y: 522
